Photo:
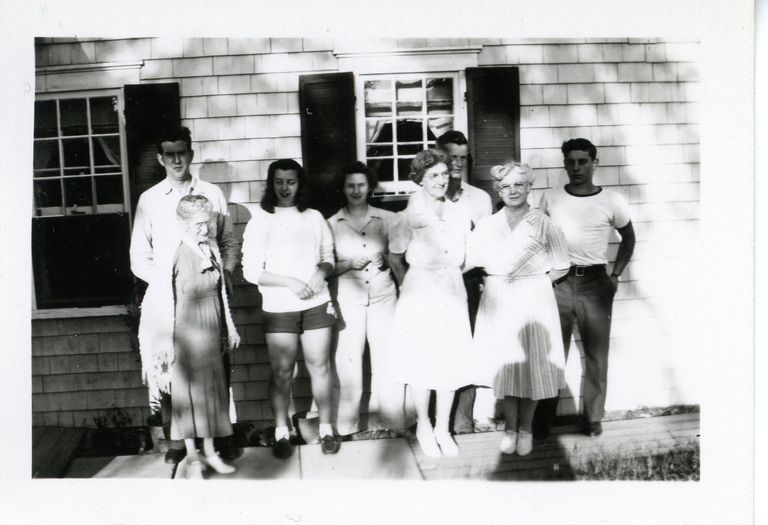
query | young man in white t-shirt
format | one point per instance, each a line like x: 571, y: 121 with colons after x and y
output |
x: 588, y: 215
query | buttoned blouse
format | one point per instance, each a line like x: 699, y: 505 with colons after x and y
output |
x: 370, y: 284
x: 429, y: 241
x: 534, y: 247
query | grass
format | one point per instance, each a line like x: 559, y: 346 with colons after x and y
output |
x: 679, y: 464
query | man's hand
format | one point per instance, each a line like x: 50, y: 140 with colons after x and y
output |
x: 233, y: 340
x: 615, y: 281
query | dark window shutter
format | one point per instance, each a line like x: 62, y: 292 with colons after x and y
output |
x: 493, y: 102
x: 327, y: 106
x: 148, y: 108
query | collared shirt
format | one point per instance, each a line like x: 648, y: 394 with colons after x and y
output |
x: 156, y: 232
x: 370, y: 284
x: 287, y: 242
x: 429, y: 241
x: 586, y: 221
x: 534, y: 247
x: 475, y: 202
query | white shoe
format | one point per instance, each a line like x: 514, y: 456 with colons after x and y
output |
x: 447, y: 445
x: 216, y: 463
x: 508, y: 442
x: 195, y: 469
x: 524, y: 443
x: 427, y: 442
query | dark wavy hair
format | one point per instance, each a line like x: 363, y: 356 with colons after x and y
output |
x: 269, y: 200
x: 354, y: 167
x: 172, y: 134
x: 424, y: 160
x: 579, y: 145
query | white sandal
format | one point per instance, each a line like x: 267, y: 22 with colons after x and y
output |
x: 216, y: 463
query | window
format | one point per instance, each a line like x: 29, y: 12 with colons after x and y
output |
x: 392, y: 116
x: 80, y: 226
x: 78, y: 157
x: 402, y: 115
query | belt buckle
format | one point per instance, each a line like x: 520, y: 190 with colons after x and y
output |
x: 580, y: 271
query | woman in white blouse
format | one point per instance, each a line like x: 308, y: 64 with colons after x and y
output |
x: 431, y: 335
x: 288, y: 253
x: 517, y: 337
x: 366, y: 297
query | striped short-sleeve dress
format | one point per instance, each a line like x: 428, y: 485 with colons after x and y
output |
x: 517, y: 341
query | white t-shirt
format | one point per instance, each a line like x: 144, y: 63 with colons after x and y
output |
x: 586, y: 221
x: 287, y: 242
x: 475, y: 202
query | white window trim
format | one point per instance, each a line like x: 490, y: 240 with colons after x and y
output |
x: 449, y: 60
x: 459, y: 117
x: 61, y: 313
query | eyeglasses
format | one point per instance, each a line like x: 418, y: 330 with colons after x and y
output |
x: 517, y: 186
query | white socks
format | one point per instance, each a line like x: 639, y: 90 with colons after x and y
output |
x: 326, y: 429
x: 281, y: 432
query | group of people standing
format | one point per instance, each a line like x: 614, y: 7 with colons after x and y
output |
x: 451, y: 298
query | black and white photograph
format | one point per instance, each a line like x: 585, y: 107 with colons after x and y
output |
x: 355, y: 276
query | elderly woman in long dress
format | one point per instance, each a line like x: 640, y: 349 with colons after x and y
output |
x: 431, y: 334
x: 517, y: 334
x: 200, y: 402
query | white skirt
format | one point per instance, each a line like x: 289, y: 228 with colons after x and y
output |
x: 518, y: 342
x: 431, y: 338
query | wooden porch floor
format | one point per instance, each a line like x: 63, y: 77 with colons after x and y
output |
x: 401, y: 458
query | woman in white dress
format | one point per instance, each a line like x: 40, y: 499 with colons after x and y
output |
x: 431, y: 335
x: 517, y: 337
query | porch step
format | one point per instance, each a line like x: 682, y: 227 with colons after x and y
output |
x: 53, y: 449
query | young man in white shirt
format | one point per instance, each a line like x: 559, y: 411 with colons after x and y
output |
x: 154, y: 240
x: 588, y: 215
x: 473, y: 409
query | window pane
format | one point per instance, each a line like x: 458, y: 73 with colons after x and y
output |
x: 74, y: 119
x: 383, y: 168
x: 46, y: 155
x: 403, y: 168
x: 76, y: 154
x: 106, y: 151
x: 409, y: 149
x: 410, y: 130
x: 438, y: 126
x: 109, y: 190
x: 104, y: 115
x: 47, y: 193
x: 77, y: 192
x: 378, y: 130
x: 440, y: 96
x: 409, y: 97
x: 45, y: 118
x: 378, y: 151
x: 378, y: 98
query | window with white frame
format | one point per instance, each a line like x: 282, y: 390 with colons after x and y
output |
x: 80, y: 223
x: 78, y: 156
x: 403, y: 114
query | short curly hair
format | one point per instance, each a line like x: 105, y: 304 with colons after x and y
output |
x: 500, y: 172
x: 425, y: 160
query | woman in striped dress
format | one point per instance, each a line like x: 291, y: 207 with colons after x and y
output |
x: 517, y: 337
